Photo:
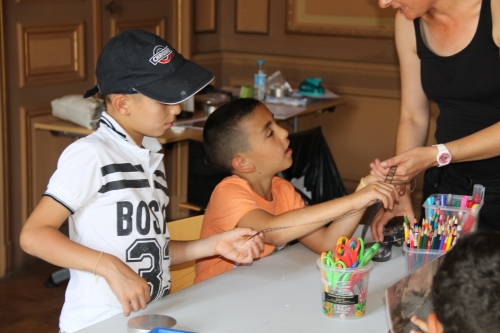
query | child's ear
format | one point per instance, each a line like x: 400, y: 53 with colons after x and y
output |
x: 241, y: 164
x: 434, y: 324
x: 120, y: 103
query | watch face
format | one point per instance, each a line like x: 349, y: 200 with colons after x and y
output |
x: 444, y: 158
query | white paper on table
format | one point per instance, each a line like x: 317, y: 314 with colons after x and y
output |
x: 197, y: 123
x: 281, y: 111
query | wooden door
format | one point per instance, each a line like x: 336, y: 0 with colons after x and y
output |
x: 51, y: 47
x: 170, y: 19
x: 150, y: 15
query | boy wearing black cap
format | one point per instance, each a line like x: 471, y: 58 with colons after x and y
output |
x: 111, y: 187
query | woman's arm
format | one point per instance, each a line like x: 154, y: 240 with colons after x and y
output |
x: 478, y: 146
x: 495, y: 13
x: 413, y: 123
x: 415, y: 107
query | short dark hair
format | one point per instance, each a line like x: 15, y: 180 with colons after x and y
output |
x: 466, y: 288
x: 222, y: 137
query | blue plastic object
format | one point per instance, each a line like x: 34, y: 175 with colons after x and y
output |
x: 312, y: 87
x: 168, y: 330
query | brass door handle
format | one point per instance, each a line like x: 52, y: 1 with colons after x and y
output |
x: 111, y: 7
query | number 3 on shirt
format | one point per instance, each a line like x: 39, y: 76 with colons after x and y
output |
x: 142, y: 249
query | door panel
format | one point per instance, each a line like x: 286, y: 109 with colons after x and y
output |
x: 51, y: 51
x: 150, y: 15
x: 47, y: 55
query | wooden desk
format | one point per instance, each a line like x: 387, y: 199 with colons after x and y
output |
x: 64, y: 127
x: 280, y: 293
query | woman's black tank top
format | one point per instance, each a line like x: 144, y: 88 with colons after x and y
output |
x: 466, y: 87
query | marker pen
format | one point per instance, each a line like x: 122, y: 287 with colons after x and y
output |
x: 463, y: 203
x: 477, y: 193
x: 448, y: 200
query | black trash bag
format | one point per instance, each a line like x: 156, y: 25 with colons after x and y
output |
x: 313, y: 160
x: 202, y: 177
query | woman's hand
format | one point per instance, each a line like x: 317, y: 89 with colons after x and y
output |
x: 241, y: 245
x: 385, y: 215
x: 409, y: 163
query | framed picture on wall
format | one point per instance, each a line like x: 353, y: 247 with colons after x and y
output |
x: 252, y: 16
x: 354, y: 18
x: 204, y: 16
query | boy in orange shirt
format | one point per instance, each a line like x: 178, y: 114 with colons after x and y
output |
x: 243, y: 138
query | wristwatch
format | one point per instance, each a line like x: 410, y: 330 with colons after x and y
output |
x: 444, y: 156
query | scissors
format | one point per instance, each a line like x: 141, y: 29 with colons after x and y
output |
x: 343, y: 240
x: 330, y: 276
x: 365, y: 258
x: 348, y: 253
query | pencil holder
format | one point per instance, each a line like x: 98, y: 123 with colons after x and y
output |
x: 465, y: 217
x: 417, y: 258
x: 447, y: 218
x: 344, y: 290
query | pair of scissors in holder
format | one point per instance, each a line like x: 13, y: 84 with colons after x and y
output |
x: 364, y: 258
x: 348, y: 253
x: 331, y: 276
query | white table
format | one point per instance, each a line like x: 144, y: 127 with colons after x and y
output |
x: 281, y: 293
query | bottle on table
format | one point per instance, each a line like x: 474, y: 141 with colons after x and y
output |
x: 260, y: 81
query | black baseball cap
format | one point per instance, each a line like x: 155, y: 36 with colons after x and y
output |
x: 140, y: 61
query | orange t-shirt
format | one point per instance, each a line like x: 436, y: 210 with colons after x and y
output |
x: 230, y: 201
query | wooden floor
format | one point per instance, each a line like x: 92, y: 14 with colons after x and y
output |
x: 26, y: 305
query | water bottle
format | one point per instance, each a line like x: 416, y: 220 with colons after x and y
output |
x: 260, y: 81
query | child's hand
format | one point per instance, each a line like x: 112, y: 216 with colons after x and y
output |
x: 384, y: 216
x: 131, y: 289
x: 240, y: 245
x: 374, y: 191
x: 420, y: 323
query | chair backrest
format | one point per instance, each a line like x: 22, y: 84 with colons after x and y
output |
x: 182, y: 275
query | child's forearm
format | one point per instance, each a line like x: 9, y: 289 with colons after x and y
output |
x: 184, y: 251
x: 296, y: 223
x: 51, y: 245
x: 301, y: 222
x: 41, y: 237
x: 325, y: 239
x: 365, y: 181
x: 241, y: 245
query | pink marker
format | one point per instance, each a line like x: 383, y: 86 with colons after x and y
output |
x: 463, y: 203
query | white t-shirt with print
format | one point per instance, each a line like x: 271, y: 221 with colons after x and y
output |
x: 117, y: 194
